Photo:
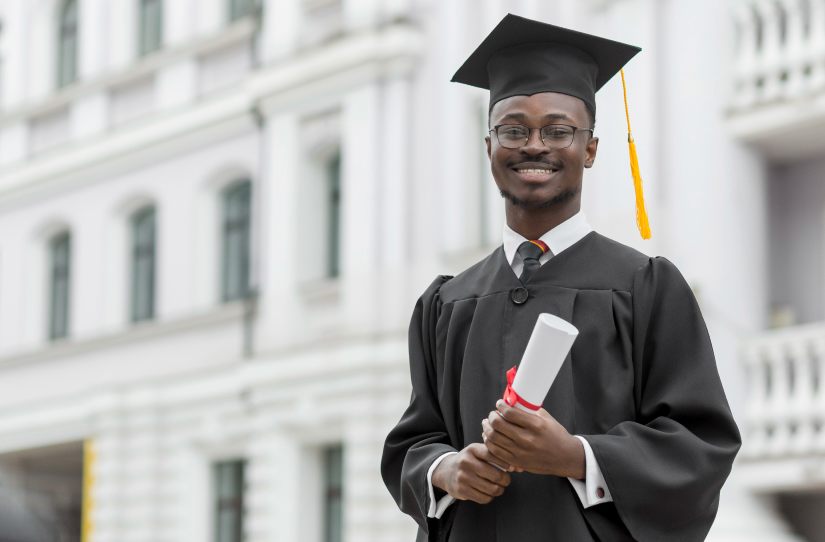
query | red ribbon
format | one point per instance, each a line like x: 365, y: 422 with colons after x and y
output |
x: 510, y: 395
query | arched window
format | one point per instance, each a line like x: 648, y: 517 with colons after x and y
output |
x: 241, y: 8
x: 333, y: 178
x: 60, y: 250
x: 151, y: 25
x: 143, y: 265
x: 237, y: 206
x: 67, y: 44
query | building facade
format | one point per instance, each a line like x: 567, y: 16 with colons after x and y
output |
x: 216, y: 217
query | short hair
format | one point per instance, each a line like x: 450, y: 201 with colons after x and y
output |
x: 591, y: 115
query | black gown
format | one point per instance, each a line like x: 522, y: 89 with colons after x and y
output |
x: 640, y: 384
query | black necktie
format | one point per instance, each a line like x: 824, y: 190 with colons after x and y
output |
x: 530, y: 252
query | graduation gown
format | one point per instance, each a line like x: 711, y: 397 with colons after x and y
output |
x: 640, y: 384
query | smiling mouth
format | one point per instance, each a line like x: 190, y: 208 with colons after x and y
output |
x: 536, y: 171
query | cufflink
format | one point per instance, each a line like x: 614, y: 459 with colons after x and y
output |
x: 599, y: 492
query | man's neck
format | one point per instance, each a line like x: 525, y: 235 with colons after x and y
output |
x: 533, y: 223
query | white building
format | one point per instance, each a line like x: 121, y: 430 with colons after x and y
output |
x: 216, y: 216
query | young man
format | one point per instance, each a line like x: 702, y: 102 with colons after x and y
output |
x: 636, y: 437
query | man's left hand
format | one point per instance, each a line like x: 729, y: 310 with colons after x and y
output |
x: 536, y: 443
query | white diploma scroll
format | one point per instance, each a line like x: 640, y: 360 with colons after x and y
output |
x: 546, y: 351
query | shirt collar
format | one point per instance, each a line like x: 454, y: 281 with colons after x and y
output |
x: 558, y: 239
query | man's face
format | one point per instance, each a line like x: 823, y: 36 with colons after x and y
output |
x: 561, y: 170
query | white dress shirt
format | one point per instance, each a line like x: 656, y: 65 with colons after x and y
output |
x: 558, y: 239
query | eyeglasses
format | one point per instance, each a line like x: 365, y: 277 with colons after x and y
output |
x: 554, y: 136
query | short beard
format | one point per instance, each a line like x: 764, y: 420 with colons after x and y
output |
x: 567, y: 195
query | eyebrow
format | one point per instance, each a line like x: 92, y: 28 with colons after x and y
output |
x: 549, y: 116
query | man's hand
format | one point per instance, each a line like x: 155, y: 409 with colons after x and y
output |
x: 536, y: 443
x: 468, y: 476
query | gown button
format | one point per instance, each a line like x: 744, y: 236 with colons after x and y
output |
x: 519, y: 295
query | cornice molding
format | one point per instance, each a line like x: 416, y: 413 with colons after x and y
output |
x: 355, y: 59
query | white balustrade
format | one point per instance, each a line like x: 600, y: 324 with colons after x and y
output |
x: 780, y: 52
x: 785, y: 413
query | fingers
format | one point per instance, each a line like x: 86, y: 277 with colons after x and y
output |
x: 489, y: 472
x: 502, y: 453
x: 499, y: 461
x: 498, y: 423
x: 472, y: 494
x: 496, y: 436
x: 515, y: 415
x: 502, y: 466
x: 476, y: 480
x: 486, y: 486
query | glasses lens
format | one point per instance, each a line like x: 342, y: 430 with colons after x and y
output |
x: 557, y: 136
x: 512, y: 136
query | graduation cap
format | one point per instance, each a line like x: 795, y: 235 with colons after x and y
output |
x: 522, y: 57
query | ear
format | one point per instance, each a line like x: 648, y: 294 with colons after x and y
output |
x: 489, y: 146
x: 590, y: 152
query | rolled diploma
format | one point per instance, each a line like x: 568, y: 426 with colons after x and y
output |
x: 546, y: 350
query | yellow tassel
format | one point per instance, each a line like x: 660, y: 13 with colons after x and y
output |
x: 641, y: 213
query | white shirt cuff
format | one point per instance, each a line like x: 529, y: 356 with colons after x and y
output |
x: 436, y: 509
x: 593, y: 489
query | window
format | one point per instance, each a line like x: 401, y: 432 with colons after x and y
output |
x: 151, y: 25
x: 333, y: 493
x: 333, y: 174
x: 236, y: 240
x: 229, y: 489
x: 241, y: 8
x: 143, y: 265
x: 61, y: 254
x: 67, y: 44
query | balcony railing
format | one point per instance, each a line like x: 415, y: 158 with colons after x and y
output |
x: 785, y: 393
x: 780, y: 50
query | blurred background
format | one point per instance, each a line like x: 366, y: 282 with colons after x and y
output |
x: 216, y: 217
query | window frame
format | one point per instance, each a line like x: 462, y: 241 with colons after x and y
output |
x: 60, y: 284
x: 229, y: 228
x: 140, y: 252
x: 145, y: 47
x: 238, y: 9
x: 67, y: 30
x: 332, y: 180
x: 333, y: 493
x: 232, y: 503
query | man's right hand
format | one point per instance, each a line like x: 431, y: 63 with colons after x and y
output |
x: 468, y: 476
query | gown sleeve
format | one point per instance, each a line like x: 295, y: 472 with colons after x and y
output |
x: 421, y: 436
x: 665, y: 469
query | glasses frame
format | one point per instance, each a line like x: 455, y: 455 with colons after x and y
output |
x: 530, y: 132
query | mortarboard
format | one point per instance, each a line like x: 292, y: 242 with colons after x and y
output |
x: 522, y: 57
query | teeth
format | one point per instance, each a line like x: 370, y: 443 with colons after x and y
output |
x: 544, y: 171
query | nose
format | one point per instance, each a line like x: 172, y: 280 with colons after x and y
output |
x: 534, y: 146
